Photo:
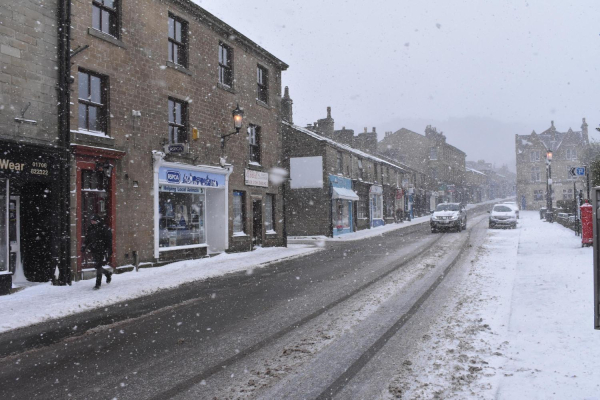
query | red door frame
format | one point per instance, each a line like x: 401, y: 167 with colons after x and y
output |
x: 87, y: 158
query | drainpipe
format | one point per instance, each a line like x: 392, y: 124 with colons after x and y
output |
x: 64, y: 128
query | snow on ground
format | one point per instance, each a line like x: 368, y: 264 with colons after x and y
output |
x: 40, y: 302
x: 520, y: 325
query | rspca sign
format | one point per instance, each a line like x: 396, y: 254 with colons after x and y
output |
x: 186, y: 177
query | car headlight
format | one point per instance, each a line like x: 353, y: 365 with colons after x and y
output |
x: 454, y: 217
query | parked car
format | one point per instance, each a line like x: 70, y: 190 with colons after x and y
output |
x: 448, y: 216
x: 562, y: 216
x: 514, y: 206
x: 503, y: 215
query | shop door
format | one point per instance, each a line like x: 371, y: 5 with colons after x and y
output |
x: 257, y: 222
x: 94, y: 198
x: 14, y: 234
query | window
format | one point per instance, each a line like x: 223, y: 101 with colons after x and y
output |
x: 567, y: 194
x: 239, y: 213
x: 270, y: 213
x: 181, y: 216
x: 92, y: 102
x: 535, y: 174
x: 534, y: 155
x: 177, y: 121
x: 254, y: 143
x: 571, y: 154
x: 225, y: 65
x: 376, y: 206
x: 105, y: 16
x: 340, y: 163
x: 361, y: 209
x: 433, y: 154
x: 375, y: 173
x: 360, y: 169
x: 262, y: 81
x: 538, y: 195
x: 177, y: 41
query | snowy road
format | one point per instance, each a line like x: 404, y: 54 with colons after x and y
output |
x: 298, y: 329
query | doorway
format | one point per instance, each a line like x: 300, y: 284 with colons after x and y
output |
x: 14, y: 234
x: 257, y: 223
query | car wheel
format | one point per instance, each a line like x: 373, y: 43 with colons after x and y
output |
x: 433, y: 230
x: 491, y: 226
x: 465, y: 225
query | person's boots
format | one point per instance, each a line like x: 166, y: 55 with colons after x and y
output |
x: 109, y: 277
x: 96, y: 287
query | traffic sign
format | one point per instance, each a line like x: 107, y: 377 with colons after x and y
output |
x: 577, y: 171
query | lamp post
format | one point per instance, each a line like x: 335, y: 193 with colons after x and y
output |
x: 238, y: 116
x: 549, y: 212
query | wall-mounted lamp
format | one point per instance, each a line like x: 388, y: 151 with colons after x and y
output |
x: 238, y: 117
x: 136, y: 184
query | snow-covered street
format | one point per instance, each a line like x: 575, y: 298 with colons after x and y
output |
x: 519, y: 327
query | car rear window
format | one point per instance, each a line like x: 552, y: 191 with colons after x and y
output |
x: 502, y: 209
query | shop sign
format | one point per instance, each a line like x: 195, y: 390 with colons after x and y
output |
x: 340, y: 182
x: 376, y: 190
x: 180, y: 189
x: 256, y: 178
x: 176, y: 148
x: 441, y: 193
x: 21, y: 165
x: 178, y: 176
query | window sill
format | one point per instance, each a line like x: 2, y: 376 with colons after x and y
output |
x: 106, y: 37
x: 263, y: 104
x: 191, y: 246
x: 179, y: 68
x: 271, y: 233
x: 226, y: 88
x: 255, y: 166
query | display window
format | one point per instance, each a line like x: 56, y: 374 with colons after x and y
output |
x: 239, y: 213
x: 4, y: 264
x: 270, y: 213
x: 341, y: 212
x: 377, y: 206
x: 181, y: 214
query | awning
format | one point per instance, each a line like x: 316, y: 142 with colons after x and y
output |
x: 346, y: 194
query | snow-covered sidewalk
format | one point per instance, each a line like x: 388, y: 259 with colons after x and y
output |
x: 380, y: 230
x: 42, y: 301
x: 520, y: 325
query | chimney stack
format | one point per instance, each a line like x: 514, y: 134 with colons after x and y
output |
x: 286, y: 107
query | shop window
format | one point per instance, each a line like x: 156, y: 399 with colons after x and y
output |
x: 178, y: 41
x: 254, y: 143
x: 262, y: 82
x: 376, y: 206
x: 270, y: 213
x: 538, y: 195
x: 341, y: 215
x: 361, y: 210
x: 181, y: 220
x: 177, y: 121
x: 105, y: 17
x: 239, y: 213
x: 225, y: 65
x: 93, y: 96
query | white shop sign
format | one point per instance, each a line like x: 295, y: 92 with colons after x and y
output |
x: 256, y: 178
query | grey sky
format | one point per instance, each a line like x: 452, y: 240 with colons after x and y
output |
x: 383, y: 63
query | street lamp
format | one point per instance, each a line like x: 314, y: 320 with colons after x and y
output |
x: 549, y: 213
x: 238, y: 116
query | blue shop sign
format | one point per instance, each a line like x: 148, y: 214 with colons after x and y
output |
x: 178, y: 176
x: 340, y: 182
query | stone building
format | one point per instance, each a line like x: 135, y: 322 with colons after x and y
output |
x: 33, y: 212
x: 531, y: 152
x: 334, y: 188
x: 442, y: 164
x: 155, y: 150
x: 500, y: 182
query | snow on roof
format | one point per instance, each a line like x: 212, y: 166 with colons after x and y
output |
x: 475, y: 171
x: 342, y: 146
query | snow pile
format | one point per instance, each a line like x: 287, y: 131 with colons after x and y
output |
x: 520, y: 327
x: 40, y: 302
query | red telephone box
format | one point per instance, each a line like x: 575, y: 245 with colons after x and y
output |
x: 587, y: 224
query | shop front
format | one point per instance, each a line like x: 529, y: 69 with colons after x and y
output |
x: 342, y: 197
x: 190, y: 210
x: 389, y: 208
x: 376, y: 206
x: 30, y: 239
x: 400, y: 205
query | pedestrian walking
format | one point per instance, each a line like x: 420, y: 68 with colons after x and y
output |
x: 98, y: 246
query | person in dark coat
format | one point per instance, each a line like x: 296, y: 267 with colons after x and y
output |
x: 98, y: 246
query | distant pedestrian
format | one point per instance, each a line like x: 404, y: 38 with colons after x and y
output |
x: 98, y: 246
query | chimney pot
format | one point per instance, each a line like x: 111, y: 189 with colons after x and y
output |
x: 365, y: 129
x: 374, y: 130
x: 328, y: 112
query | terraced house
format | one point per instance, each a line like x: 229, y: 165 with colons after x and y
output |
x: 174, y: 129
x: 531, y: 152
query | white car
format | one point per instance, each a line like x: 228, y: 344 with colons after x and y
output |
x: 448, y: 216
x: 514, y: 206
x: 503, y: 215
